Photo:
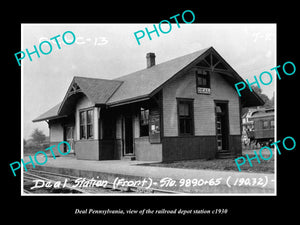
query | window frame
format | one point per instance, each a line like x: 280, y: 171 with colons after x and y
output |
x: 190, y: 117
x: 199, y: 74
x: 90, y: 124
x: 82, y: 125
x: 85, y: 125
x: 144, y: 109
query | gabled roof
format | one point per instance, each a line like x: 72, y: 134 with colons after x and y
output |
x: 145, y: 83
x: 97, y: 90
x: 142, y: 83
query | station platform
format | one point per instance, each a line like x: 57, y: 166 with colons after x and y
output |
x: 187, y: 181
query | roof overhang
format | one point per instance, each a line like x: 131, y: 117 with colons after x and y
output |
x: 129, y: 101
x: 47, y: 118
x: 51, y: 114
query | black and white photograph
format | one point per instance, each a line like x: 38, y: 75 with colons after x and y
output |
x: 143, y: 110
x: 123, y: 109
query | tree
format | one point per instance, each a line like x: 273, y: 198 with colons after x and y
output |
x: 269, y: 103
x: 38, y: 136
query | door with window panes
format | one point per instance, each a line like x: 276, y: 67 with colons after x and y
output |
x: 222, y: 125
x: 69, y: 137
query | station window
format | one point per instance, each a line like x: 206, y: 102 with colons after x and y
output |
x: 82, y: 116
x: 144, y: 122
x: 185, y: 116
x: 86, y: 119
x: 89, y: 123
x: 203, y: 79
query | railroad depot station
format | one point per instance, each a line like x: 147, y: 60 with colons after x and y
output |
x: 185, y: 108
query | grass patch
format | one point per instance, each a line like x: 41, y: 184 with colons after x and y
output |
x: 221, y: 164
x: 32, y: 149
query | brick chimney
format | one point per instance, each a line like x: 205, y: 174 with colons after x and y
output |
x: 150, y: 59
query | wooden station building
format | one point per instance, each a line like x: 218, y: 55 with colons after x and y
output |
x: 185, y: 108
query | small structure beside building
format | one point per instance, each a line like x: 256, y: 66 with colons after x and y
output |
x: 185, y: 108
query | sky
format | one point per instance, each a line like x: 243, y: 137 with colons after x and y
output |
x: 109, y: 51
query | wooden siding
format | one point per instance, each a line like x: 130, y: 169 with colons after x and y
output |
x: 185, y: 148
x: 54, y: 149
x: 235, y: 145
x: 118, y: 149
x: 145, y: 151
x: 56, y: 132
x: 196, y: 147
x: 204, y: 112
x: 87, y: 149
x: 107, y: 149
x: 96, y: 149
x: 136, y: 125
